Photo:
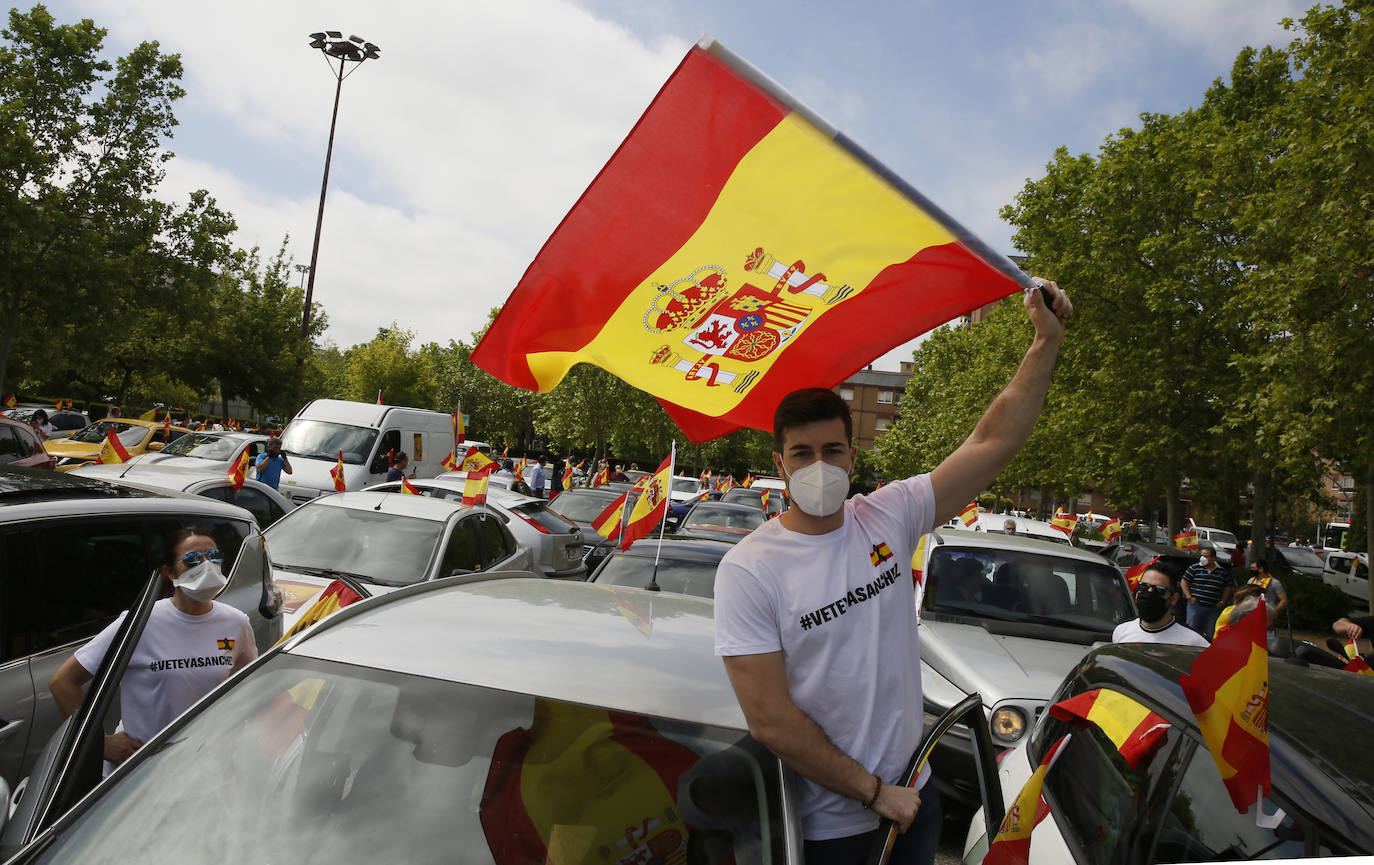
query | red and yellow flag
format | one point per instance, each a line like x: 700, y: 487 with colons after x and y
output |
x: 1228, y: 690
x: 567, y: 478
x: 763, y: 499
x: 608, y: 522
x: 734, y: 245
x: 1011, y: 846
x: 113, y: 450
x: 1066, y: 523
x: 652, y: 505
x: 335, y: 596
x: 238, y: 472
x: 459, y: 433
x: 1111, y: 530
x: 379, y: 397
x: 1359, y: 665
x: 337, y: 473
x: 407, y: 488
x: 11, y: 401
x: 969, y: 515
x: 748, y: 481
x: 1186, y: 540
x: 1133, y: 729
x: 475, y: 487
x: 450, y: 462
x: 150, y: 414
x: 602, y: 477
x: 1134, y: 573
x: 476, y: 461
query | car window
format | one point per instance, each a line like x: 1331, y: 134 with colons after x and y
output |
x: 1098, y: 798
x: 11, y: 446
x: 263, y: 509
x: 580, y: 508
x: 317, y: 761
x: 64, y: 581
x: 1017, y: 586
x: 672, y: 575
x: 389, y: 549
x: 497, y: 543
x: 206, y: 446
x: 1201, y: 825
x: 462, y: 553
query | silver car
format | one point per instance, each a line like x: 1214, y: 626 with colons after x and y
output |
x: 384, y: 540
x: 1006, y: 617
x: 554, y: 540
x: 264, y: 503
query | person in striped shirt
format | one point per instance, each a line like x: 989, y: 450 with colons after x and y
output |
x: 1208, y: 588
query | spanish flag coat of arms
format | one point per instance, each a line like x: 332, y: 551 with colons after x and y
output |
x: 734, y: 248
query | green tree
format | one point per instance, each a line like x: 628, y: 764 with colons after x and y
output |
x: 81, y: 151
x: 388, y: 364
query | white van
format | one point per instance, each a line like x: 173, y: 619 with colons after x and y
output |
x: 1221, y: 540
x: 364, y: 432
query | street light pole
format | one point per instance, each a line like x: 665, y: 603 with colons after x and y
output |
x: 351, y: 50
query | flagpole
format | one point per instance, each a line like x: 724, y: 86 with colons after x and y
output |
x: 663, y: 526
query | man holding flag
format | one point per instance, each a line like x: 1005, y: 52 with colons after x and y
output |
x: 818, y: 633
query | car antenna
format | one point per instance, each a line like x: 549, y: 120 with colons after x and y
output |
x: 662, y: 526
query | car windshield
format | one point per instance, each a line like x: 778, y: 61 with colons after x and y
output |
x: 686, y: 485
x: 1217, y: 536
x: 322, y: 440
x: 315, y: 761
x: 730, y: 521
x: 1295, y: 556
x: 579, y: 508
x: 674, y: 575
x: 129, y: 434
x: 1017, y: 586
x: 743, y: 496
x: 390, y: 549
x: 203, y: 446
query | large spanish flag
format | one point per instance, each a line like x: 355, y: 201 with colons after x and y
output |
x: 1228, y: 690
x: 734, y: 248
x: 1133, y: 729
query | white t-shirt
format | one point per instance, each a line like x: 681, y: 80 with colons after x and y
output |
x: 1175, y: 634
x: 841, y: 607
x: 179, y: 659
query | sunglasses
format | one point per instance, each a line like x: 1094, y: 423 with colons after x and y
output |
x: 1151, y: 587
x: 195, y: 557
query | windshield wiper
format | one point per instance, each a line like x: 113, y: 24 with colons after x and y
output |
x: 328, y: 572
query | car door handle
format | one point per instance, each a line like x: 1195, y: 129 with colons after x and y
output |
x: 7, y: 727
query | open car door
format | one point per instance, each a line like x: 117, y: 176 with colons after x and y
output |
x: 968, y: 711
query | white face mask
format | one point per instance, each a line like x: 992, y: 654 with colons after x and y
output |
x: 202, y: 582
x: 819, y: 489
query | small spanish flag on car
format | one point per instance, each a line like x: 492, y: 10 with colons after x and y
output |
x: 238, y: 472
x: 1134, y: 573
x: 1065, y: 522
x: 969, y: 515
x: 337, y: 473
x: 407, y: 488
x: 450, y: 462
x: 476, y: 461
x: 1186, y: 540
x: 11, y: 402
x: 113, y: 450
x: 1134, y: 730
x: 475, y: 488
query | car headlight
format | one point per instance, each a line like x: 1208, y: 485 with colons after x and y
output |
x: 1008, y: 724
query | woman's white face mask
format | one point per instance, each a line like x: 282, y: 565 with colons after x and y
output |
x: 819, y: 488
x: 202, y: 582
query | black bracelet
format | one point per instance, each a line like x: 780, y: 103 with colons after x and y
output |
x: 877, y: 788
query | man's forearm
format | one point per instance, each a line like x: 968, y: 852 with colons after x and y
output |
x: 800, y: 743
x: 1006, y: 425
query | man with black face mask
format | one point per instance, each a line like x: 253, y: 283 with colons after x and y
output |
x: 1155, y: 595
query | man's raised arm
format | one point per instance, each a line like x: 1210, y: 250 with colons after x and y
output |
x: 1006, y: 425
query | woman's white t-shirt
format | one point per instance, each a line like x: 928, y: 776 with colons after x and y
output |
x: 179, y: 659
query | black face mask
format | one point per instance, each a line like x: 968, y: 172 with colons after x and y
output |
x: 1151, y: 605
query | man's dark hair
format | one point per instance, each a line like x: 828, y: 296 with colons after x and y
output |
x: 1261, y: 564
x: 808, y: 405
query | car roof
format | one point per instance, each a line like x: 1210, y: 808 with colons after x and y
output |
x: 998, y: 541
x: 622, y: 648
x: 509, y: 498
x: 398, y: 503
x: 150, y: 474
x: 1313, y: 714
x: 43, y: 494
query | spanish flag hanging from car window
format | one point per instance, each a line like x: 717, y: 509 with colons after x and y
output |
x: 734, y: 247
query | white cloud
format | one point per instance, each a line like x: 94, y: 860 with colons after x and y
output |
x: 456, y: 154
x: 1219, y: 27
x: 1073, y: 57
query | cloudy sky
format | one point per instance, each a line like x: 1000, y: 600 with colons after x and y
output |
x: 461, y: 149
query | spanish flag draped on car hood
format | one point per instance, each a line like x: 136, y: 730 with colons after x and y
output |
x: 734, y: 248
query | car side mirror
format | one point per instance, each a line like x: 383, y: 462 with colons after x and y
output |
x: 156, y: 446
x: 673, y: 523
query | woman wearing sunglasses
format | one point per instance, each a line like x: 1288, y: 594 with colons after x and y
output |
x: 190, y: 644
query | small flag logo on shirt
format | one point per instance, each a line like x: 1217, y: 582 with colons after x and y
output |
x: 880, y: 554
x: 225, y: 645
